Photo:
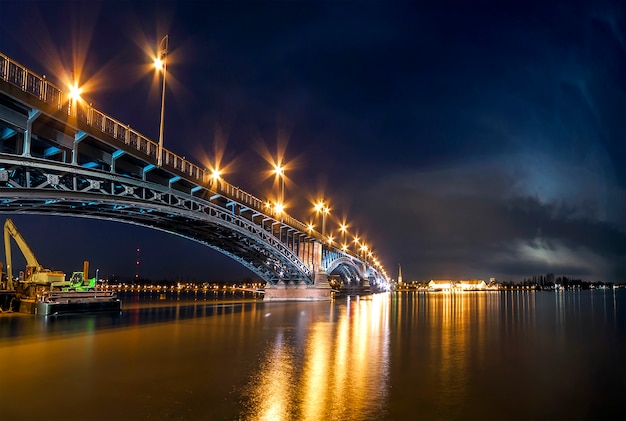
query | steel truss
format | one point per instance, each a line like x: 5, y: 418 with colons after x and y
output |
x: 32, y: 185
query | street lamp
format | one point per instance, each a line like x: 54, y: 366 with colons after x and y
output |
x: 216, y: 176
x: 280, y: 173
x: 343, y: 228
x: 73, y: 97
x: 75, y: 92
x: 324, y: 209
x: 279, y: 209
x: 160, y: 63
x: 363, y: 250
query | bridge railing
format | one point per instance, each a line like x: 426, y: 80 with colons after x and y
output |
x: 38, y: 86
x: 239, y: 195
x: 18, y: 75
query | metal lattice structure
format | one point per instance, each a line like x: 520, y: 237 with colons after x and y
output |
x: 61, y: 157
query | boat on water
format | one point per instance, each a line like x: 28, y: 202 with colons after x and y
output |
x: 46, y: 292
x: 64, y: 302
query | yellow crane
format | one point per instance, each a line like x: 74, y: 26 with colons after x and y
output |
x: 35, y: 274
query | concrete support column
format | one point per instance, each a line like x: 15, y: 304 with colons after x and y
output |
x: 317, y: 256
x: 321, y: 277
x: 299, y: 291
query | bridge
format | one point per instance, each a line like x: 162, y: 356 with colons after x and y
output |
x: 61, y: 156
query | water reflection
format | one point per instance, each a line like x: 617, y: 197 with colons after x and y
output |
x: 484, y: 355
x: 339, y: 371
x: 139, y: 308
x: 467, y: 349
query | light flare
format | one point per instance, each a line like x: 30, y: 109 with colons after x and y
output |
x: 75, y: 92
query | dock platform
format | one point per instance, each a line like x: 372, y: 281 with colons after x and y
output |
x: 53, y: 302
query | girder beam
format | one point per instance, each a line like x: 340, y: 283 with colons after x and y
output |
x: 81, y: 192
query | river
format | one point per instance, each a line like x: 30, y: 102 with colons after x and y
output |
x: 515, y: 355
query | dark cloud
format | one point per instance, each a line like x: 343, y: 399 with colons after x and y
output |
x: 474, y: 221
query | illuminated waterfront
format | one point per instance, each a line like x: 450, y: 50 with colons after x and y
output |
x: 477, y: 355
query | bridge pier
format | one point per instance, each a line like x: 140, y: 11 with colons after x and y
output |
x: 319, y: 291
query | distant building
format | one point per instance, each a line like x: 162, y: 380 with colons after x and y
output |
x: 451, y: 285
x: 471, y: 285
x: 440, y: 284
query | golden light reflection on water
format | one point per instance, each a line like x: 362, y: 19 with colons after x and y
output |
x: 399, y: 356
x: 271, y: 397
x: 339, y: 370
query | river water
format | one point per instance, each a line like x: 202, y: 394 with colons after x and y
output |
x: 396, y: 356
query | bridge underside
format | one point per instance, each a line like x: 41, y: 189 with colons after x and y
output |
x: 65, y: 158
x: 190, y: 217
x: 254, y: 256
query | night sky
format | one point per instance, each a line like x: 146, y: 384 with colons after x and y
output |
x: 462, y: 139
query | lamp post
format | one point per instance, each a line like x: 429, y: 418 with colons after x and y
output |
x: 364, y: 251
x: 216, y: 176
x: 160, y: 63
x: 324, y: 209
x: 279, y: 209
x: 73, y: 98
x: 279, y: 170
x: 343, y: 228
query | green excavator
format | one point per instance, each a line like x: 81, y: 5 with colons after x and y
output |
x: 80, y: 282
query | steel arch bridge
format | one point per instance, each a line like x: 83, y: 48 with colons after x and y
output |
x: 59, y: 156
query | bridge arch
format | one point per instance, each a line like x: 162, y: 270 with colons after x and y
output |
x: 63, y: 157
x: 30, y: 185
x: 350, y: 271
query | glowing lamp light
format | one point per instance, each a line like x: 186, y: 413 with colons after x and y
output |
x: 322, y: 207
x: 279, y: 208
x: 158, y: 63
x: 75, y: 92
x: 216, y: 174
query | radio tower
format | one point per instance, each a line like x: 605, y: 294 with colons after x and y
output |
x: 137, y: 266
